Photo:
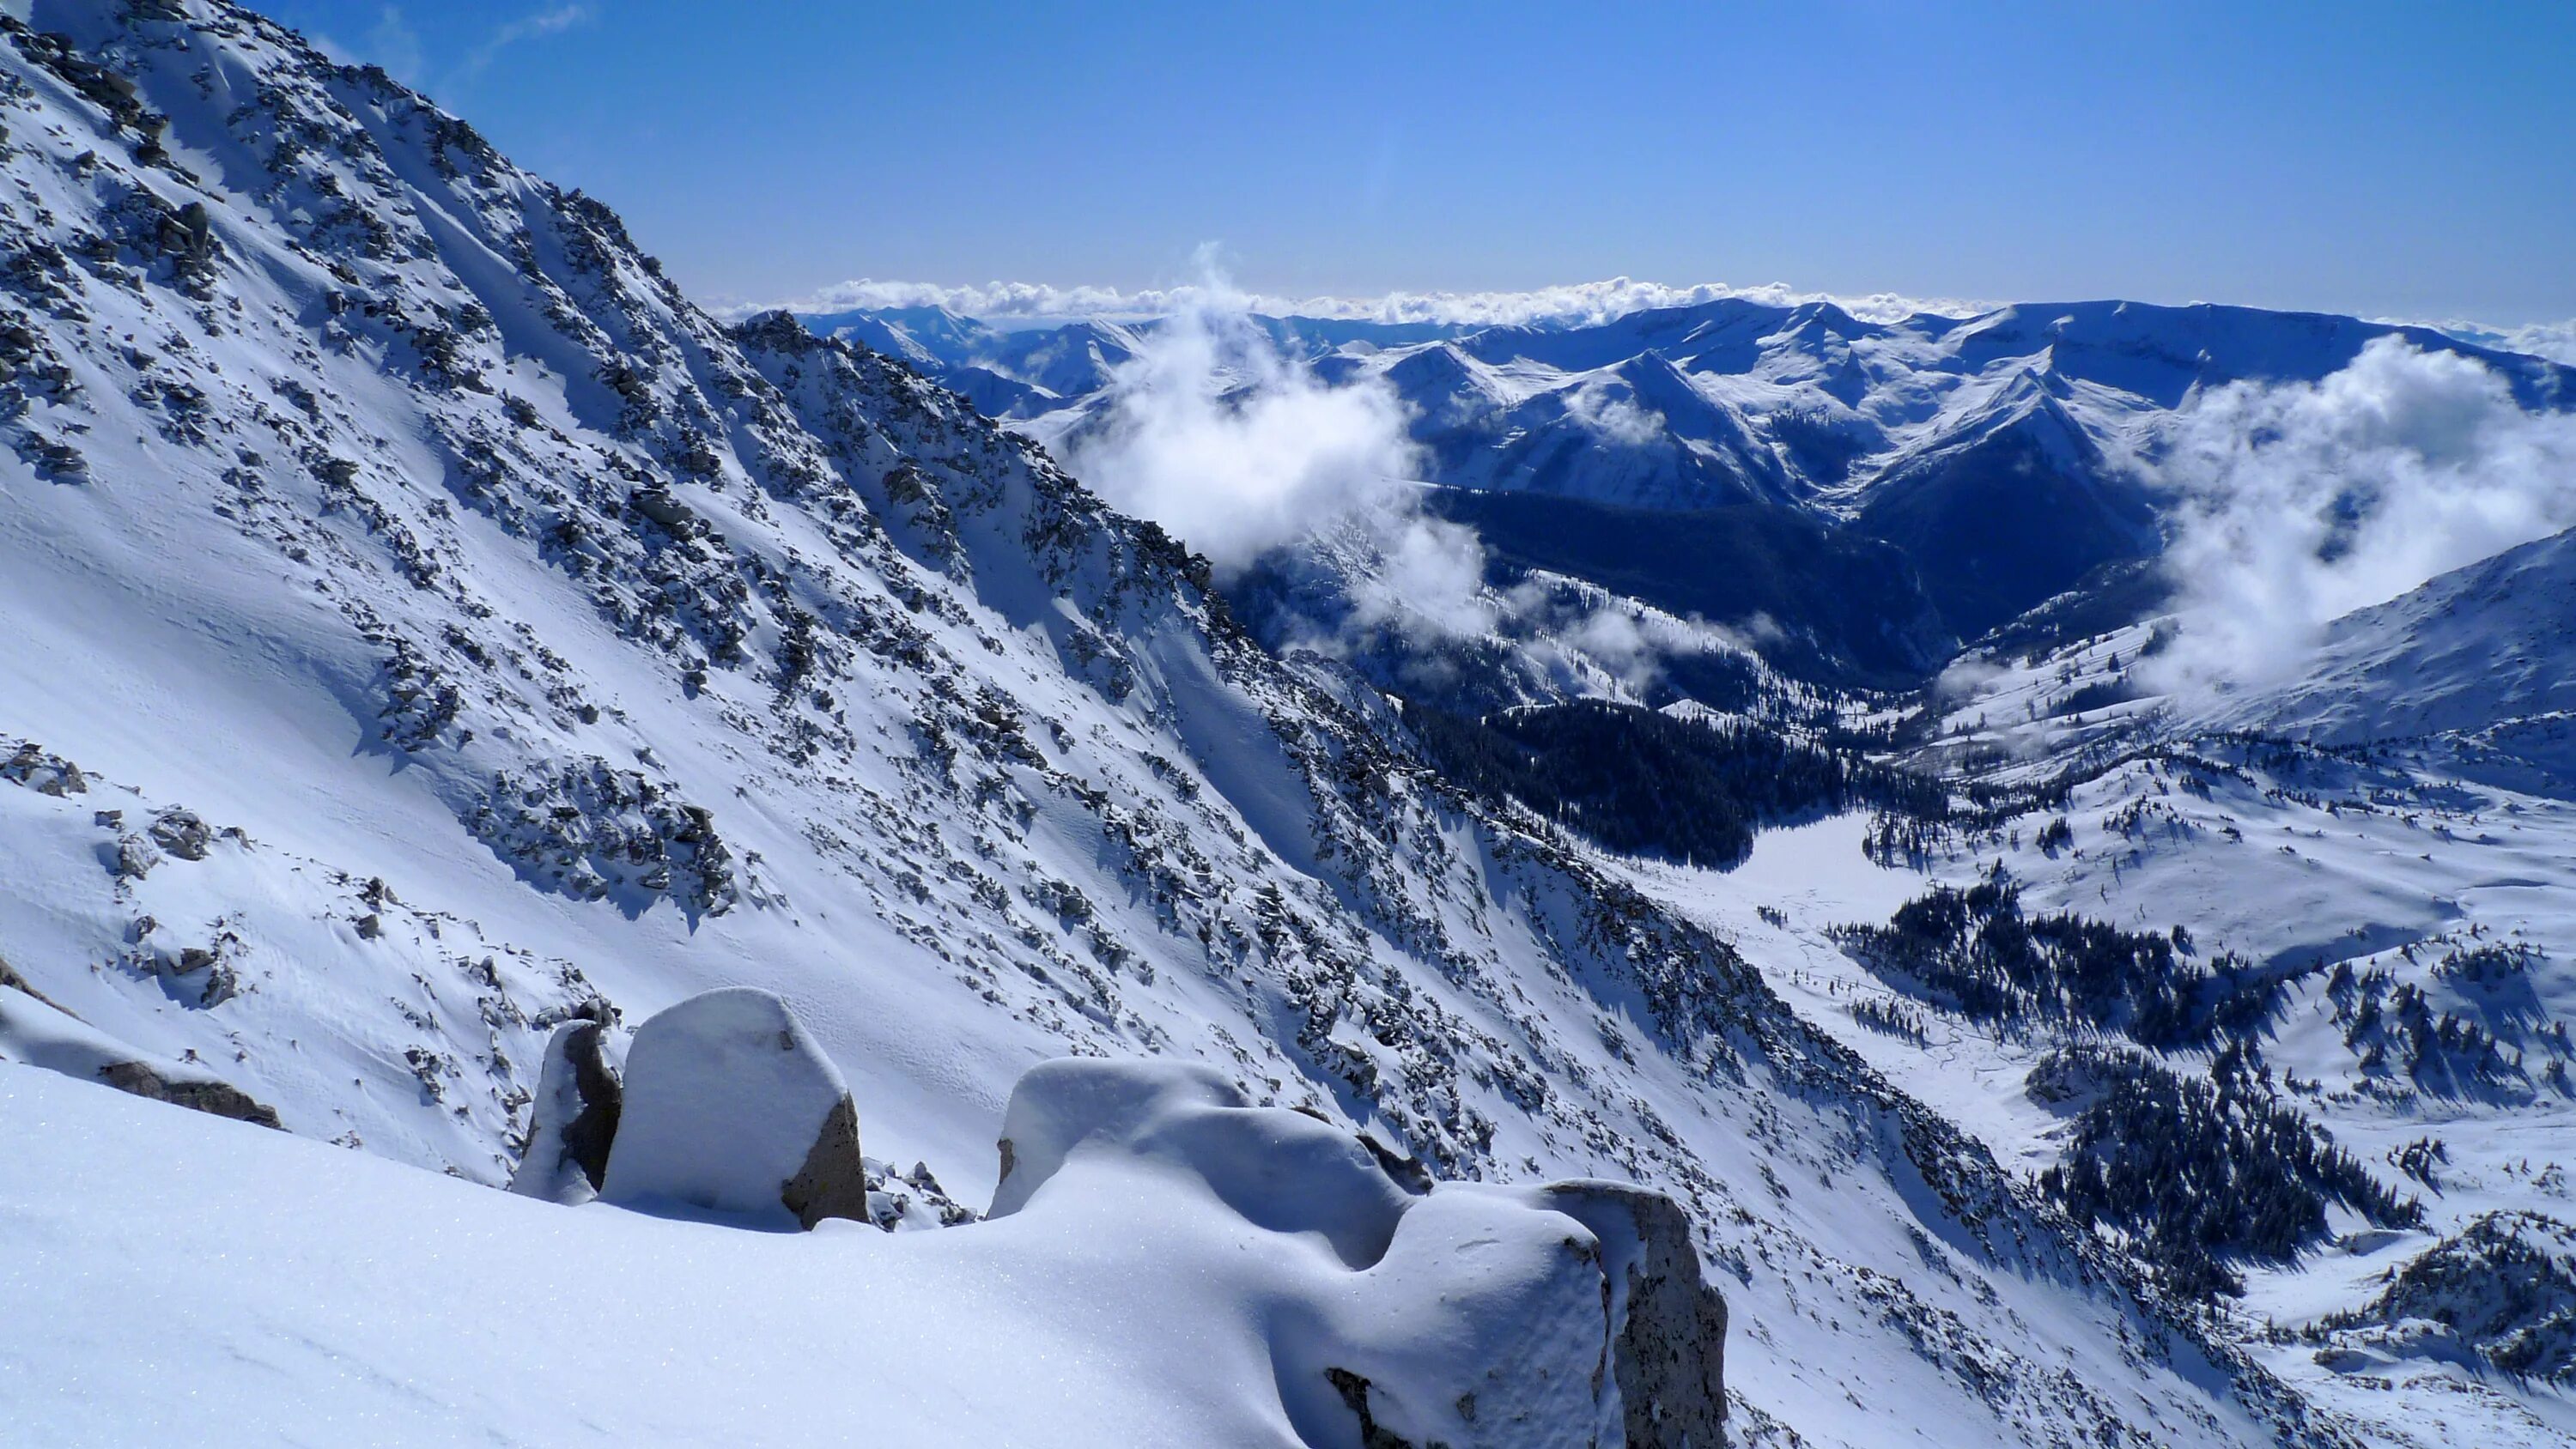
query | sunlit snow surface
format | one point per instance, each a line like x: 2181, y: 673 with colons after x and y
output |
x: 2391, y: 861
x: 172, y: 1279
x: 996, y: 786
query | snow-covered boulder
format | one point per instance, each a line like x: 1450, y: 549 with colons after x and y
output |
x: 1467, y: 1315
x: 731, y: 1108
x: 1283, y: 1170
x: 579, y: 1100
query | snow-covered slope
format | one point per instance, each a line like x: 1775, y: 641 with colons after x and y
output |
x: 2363, y: 874
x: 328, y: 1297
x: 426, y: 626
x: 2487, y: 651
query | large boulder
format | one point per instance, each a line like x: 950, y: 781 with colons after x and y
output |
x: 579, y: 1101
x: 1452, y: 1314
x: 730, y: 1108
x: 1669, y: 1352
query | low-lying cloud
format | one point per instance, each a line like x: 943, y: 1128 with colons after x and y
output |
x: 2303, y: 502
x: 1214, y: 433
x: 1574, y: 304
x: 1239, y: 448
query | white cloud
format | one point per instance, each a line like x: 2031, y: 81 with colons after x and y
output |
x: 552, y: 20
x: 1579, y: 303
x: 2553, y: 340
x: 392, y: 43
x: 1210, y: 431
x: 1621, y: 420
x: 2302, y: 502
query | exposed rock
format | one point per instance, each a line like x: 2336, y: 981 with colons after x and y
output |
x: 1354, y: 1391
x: 10, y: 978
x: 44, y: 773
x: 182, y: 834
x: 574, y: 1124
x: 202, y: 1094
x: 833, y: 1183
x: 658, y: 505
x: 134, y: 858
x: 730, y: 1107
x: 1669, y: 1355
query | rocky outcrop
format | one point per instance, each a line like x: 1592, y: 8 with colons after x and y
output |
x: 1669, y: 1353
x: 2502, y: 1290
x: 202, y: 1094
x: 579, y: 1100
x: 731, y: 1108
x: 41, y: 1033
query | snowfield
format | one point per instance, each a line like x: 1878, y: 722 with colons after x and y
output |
x: 324, y: 1296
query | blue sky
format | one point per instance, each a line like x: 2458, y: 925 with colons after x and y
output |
x: 2384, y: 159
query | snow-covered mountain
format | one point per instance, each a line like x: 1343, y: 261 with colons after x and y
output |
x: 427, y: 629
x: 1999, y: 454
x: 2487, y: 652
x: 2370, y: 859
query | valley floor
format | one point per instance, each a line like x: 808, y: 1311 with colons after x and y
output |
x: 2499, y: 872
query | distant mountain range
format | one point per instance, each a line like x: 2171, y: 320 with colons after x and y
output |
x: 1996, y: 454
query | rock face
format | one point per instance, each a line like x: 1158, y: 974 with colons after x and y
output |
x: 1669, y: 1354
x: 731, y: 1108
x: 579, y: 1101
x: 833, y: 1183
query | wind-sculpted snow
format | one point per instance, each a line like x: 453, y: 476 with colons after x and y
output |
x: 1154, y: 1292
x: 528, y: 647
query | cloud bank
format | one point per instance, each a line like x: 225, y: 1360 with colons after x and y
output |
x: 2303, y: 502
x: 1574, y: 304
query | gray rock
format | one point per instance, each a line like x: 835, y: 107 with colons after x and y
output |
x: 182, y: 834
x: 46, y: 774
x: 658, y: 505
x: 574, y: 1121
x: 1669, y: 1356
x: 222, y: 1099
x: 833, y: 1183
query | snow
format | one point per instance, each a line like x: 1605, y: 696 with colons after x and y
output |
x: 324, y: 1296
x: 1710, y: 398
x: 550, y: 1166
